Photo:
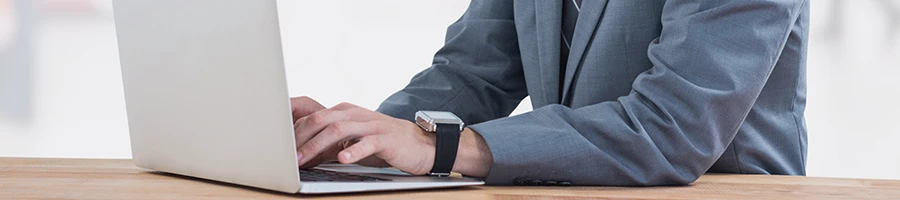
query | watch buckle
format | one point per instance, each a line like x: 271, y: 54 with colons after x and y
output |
x: 439, y: 174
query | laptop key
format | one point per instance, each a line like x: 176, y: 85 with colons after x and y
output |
x: 325, y: 175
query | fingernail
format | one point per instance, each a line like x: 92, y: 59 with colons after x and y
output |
x: 346, y: 155
x: 299, y: 156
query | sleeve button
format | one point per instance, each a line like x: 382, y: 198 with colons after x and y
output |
x: 519, y: 182
x: 550, y: 183
x: 535, y: 182
x: 565, y: 183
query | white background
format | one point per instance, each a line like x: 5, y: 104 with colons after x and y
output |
x: 362, y: 51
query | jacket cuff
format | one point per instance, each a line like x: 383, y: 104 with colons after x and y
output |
x: 527, y: 147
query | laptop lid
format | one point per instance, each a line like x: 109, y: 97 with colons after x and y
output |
x: 205, y: 90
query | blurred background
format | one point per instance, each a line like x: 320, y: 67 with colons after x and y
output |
x: 61, y: 90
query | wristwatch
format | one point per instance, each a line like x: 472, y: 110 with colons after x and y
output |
x: 447, y: 128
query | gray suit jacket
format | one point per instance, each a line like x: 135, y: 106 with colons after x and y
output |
x: 660, y: 92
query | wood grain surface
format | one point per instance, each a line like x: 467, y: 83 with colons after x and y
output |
x: 48, y: 178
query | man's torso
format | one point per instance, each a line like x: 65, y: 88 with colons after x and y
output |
x: 609, y: 52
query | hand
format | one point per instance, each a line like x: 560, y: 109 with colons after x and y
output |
x: 303, y: 106
x: 300, y: 108
x: 352, y: 134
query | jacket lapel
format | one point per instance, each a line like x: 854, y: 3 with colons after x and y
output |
x: 548, y: 24
x: 588, y: 20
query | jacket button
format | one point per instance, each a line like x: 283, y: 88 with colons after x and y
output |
x: 520, y: 182
x: 550, y: 183
x: 565, y: 183
x: 535, y: 182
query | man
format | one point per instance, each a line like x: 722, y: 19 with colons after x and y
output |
x: 631, y: 93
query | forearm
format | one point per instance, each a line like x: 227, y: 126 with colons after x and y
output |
x: 474, y: 157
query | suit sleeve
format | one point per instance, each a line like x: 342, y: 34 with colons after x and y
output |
x: 711, y: 61
x: 477, y: 74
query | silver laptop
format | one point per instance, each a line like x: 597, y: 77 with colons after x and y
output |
x: 206, y: 97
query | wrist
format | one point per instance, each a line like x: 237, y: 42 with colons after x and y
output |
x: 473, y: 157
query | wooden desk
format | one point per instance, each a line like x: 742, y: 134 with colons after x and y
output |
x: 36, y: 178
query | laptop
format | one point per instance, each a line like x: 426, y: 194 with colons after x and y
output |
x: 206, y: 97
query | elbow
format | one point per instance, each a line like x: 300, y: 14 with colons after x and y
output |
x: 687, y: 170
x: 679, y: 173
x: 683, y: 179
x: 673, y: 177
x: 679, y: 169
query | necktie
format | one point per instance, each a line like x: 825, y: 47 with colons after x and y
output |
x: 570, y: 11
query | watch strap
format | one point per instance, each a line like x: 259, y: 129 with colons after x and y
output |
x: 446, y: 146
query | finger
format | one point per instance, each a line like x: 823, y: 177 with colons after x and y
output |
x: 326, y: 156
x: 344, y: 106
x: 307, y: 127
x: 331, y: 136
x: 303, y: 106
x: 346, y: 143
x: 366, y: 147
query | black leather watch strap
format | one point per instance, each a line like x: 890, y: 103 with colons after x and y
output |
x: 446, y: 145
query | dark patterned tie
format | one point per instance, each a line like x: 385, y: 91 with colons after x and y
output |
x: 570, y: 11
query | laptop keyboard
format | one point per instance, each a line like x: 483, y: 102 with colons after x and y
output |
x: 325, y: 175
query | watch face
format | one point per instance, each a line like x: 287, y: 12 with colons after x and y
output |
x: 441, y: 115
x: 429, y: 120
